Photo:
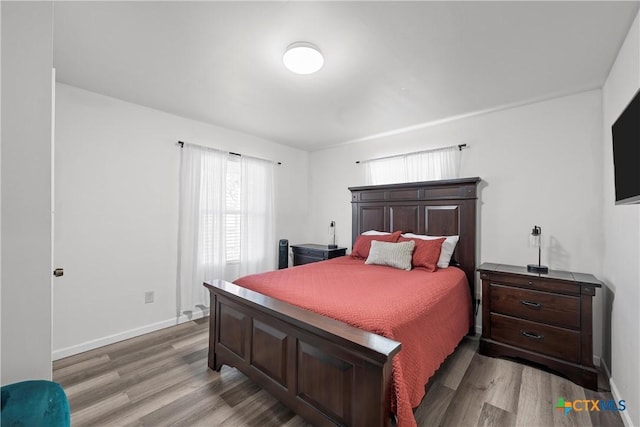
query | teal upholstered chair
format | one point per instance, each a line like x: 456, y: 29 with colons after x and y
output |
x: 34, y: 404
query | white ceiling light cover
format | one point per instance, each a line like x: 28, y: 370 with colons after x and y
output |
x: 303, y: 58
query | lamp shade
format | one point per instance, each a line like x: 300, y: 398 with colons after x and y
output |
x: 534, y: 237
x: 303, y: 58
x: 535, y: 240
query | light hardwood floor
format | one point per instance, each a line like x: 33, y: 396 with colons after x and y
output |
x: 162, y: 379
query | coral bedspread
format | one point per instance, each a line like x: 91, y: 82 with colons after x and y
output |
x: 428, y: 313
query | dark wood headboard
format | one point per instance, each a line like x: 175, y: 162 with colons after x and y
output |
x: 435, y: 208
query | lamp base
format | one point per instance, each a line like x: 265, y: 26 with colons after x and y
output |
x: 535, y: 268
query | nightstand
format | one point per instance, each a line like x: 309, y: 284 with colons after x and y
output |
x: 309, y: 252
x: 542, y: 318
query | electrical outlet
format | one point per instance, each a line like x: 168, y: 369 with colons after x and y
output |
x: 148, y: 297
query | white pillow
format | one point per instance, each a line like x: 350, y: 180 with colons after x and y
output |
x: 375, y: 233
x: 448, y: 246
x: 396, y: 255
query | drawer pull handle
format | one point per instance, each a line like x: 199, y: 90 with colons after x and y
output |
x: 530, y: 282
x: 532, y: 335
x: 531, y: 304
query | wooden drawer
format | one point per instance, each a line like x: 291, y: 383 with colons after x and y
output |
x: 553, y: 309
x: 545, y: 319
x: 308, y: 253
x: 533, y: 282
x: 318, y: 253
x: 544, y: 339
x: 305, y: 259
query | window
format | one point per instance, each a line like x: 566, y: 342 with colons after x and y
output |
x: 227, y: 219
x: 421, y: 166
x: 233, y: 211
x: 230, y: 215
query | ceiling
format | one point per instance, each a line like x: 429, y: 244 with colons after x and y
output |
x: 388, y: 65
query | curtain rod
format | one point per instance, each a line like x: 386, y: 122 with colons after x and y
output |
x: 460, y: 147
x: 181, y: 144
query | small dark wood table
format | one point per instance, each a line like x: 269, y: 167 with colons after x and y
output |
x: 543, y: 318
x: 309, y: 252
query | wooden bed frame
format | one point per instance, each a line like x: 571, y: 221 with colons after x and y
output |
x: 329, y: 372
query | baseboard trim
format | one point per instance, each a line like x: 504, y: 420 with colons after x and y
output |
x: 626, y: 418
x: 121, y: 336
x: 605, y: 368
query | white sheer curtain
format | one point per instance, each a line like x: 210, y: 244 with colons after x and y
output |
x: 227, y: 220
x: 422, y: 166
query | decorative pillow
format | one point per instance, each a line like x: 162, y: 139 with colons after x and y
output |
x: 448, y: 246
x: 396, y: 255
x: 375, y: 233
x: 426, y: 253
x: 363, y: 243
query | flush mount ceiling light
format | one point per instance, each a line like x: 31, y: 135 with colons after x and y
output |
x: 303, y: 58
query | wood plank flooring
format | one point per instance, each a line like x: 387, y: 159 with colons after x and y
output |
x: 162, y: 379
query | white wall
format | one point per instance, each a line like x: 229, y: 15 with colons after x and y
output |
x: 117, y: 170
x: 621, y: 224
x: 539, y: 163
x: 27, y: 60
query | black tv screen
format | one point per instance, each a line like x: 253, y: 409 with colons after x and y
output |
x: 626, y: 153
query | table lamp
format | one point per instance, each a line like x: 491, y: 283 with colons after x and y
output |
x: 535, y: 239
x: 332, y: 235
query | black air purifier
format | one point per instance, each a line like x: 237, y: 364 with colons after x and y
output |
x: 283, y: 254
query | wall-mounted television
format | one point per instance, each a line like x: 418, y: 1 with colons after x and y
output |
x: 626, y: 153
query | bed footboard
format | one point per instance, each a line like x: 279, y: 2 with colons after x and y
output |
x: 326, y: 371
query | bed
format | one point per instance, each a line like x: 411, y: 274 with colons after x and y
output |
x: 328, y: 371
